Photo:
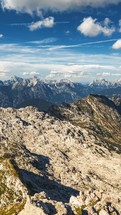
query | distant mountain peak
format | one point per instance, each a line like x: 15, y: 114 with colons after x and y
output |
x: 16, y: 78
x: 104, y: 84
x: 100, y: 83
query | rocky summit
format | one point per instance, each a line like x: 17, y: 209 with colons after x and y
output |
x: 66, y: 161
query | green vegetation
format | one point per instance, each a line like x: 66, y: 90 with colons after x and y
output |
x: 14, y: 209
x: 11, y: 199
x: 79, y: 211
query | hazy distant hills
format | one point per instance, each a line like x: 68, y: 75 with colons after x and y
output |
x: 18, y: 92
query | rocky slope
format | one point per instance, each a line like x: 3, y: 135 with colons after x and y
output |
x: 117, y: 101
x: 98, y: 115
x: 63, y: 162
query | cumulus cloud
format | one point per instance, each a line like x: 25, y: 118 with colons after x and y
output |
x: 90, y: 27
x: 117, y: 44
x: 45, y: 23
x: 37, y: 6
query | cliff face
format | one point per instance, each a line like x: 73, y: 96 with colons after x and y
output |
x: 64, y: 162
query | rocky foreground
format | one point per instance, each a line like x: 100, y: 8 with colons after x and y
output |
x: 65, y: 162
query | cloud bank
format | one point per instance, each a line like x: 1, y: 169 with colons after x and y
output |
x: 90, y: 27
x: 27, y: 60
x: 31, y: 6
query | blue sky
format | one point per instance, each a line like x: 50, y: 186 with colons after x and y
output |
x: 60, y: 39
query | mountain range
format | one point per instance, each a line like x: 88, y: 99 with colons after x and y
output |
x: 18, y: 92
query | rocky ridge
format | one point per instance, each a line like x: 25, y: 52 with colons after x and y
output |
x: 66, y: 161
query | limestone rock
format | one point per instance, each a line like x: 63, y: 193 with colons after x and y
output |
x: 44, y: 159
x: 103, y: 212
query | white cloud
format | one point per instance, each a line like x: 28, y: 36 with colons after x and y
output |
x: 3, y: 70
x: 67, y: 32
x: 116, y: 74
x: 90, y: 27
x: 33, y: 73
x: 68, y: 71
x: 86, y: 72
x: 45, y: 23
x: 1, y: 35
x: 37, y: 6
x: 108, y: 74
x: 117, y: 44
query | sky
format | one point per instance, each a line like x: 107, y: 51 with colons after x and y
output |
x: 79, y: 40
